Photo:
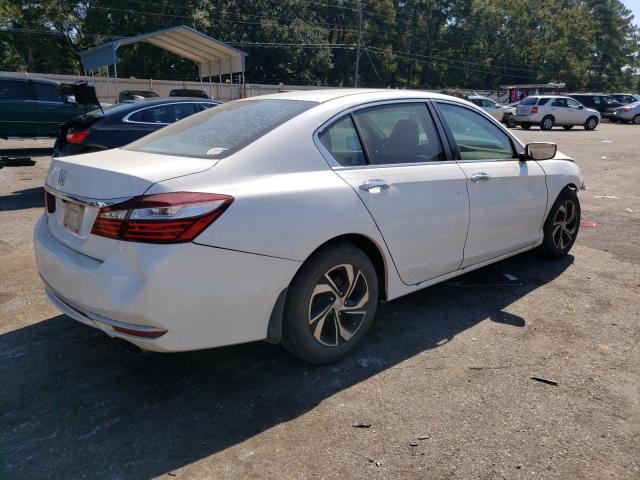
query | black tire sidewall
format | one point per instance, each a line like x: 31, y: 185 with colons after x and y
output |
x: 542, y: 127
x: 586, y: 123
x: 297, y: 337
x: 548, y: 248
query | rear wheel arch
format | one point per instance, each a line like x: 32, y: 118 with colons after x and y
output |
x: 370, y: 248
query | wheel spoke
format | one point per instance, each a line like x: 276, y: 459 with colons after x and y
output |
x: 324, y: 313
x: 317, y: 332
x: 344, y: 333
x: 331, y: 285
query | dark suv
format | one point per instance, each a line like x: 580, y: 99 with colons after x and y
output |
x: 604, y: 104
x: 31, y: 107
x: 186, y: 92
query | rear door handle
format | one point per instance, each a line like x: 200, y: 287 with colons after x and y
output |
x: 372, y: 185
x: 476, y: 177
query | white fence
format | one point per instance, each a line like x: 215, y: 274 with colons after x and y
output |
x: 107, y: 90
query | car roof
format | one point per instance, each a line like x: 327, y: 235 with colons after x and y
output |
x: 359, y: 94
x: 33, y: 79
x: 478, y: 97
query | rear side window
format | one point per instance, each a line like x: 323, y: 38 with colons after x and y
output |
x: 13, y: 90
x: 543, y: 101
x: 476, y: 137
x: 223, y: 130
x: 529, y: 101
x: 164, y: 113
x: 46, y: 92
x: 400, y: 133
x: 342, y: 142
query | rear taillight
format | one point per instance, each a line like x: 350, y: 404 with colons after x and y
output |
x: 626, y: 109
x: 534, y: 109
x: 49, y: 202
x: 161, y: 218
x: 77, y: 137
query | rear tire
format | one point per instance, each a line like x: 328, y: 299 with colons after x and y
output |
x: 525, y: 126
x: 511, y: 122
x: 562, y: 225
x: 591, y: 123
x: 567, y: 127
x: 331, y: 304
x: 636, y: 119
x: 547, y: 123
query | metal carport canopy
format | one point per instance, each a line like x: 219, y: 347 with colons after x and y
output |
x: 212, y: 56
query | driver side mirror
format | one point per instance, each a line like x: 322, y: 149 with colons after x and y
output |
x: 69, y: 99
x: 581, y: 107
x: 540, y: 151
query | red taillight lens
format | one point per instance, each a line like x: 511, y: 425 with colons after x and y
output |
x: 534, y: 109
x: 49, y: 202
x: 626, y: 109
x: 77, y: 137
x: 161, y: 218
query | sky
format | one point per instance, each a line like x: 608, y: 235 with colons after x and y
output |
x: 634, y: 6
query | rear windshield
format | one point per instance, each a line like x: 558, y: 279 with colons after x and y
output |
x: 529, y: 101
x: 221, y: 131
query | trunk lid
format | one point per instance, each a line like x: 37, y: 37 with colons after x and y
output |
x: 77, y: 185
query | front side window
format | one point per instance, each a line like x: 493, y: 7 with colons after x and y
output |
x: 221, y: 131
x: 488, y: 103
x: 572, y: 103
x: 13, y: 90
x: 476, y: 137
x: 398, y: 133
x: 342, y: 142
x: 164, y: 113
x: 560, y: 102
x: 46, y: 92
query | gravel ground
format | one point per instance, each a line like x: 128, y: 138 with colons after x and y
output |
x: 443, y: 380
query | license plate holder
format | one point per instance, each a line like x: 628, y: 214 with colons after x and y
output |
x: 73, y: 214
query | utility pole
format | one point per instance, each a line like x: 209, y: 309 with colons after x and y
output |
x: 358, y: 41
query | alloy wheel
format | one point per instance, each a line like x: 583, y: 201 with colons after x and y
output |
x: 565, y: 224
x: 591, y: 123
x: 547, y: 124
x: 636, y: 119
x: 338, y: 305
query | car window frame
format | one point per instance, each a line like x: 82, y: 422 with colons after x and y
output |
x: 125, y: 119
x: 32, y: 85
x: 516, y: 144
x: 30, y: 93
x: 335, y: 165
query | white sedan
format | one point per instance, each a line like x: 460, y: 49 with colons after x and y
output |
x: 288, y: 217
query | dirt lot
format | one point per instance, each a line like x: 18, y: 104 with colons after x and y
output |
x: 452, y: 364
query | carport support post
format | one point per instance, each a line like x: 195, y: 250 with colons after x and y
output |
x: 115, y: 77
x: 210, y: 86
x: 220, y: 79
x: 231, y: 76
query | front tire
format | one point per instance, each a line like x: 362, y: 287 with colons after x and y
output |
x: 636, y: 119
x: 331, y: 304
x: 591, y: 123
x: 562, y: 225
x: 547, y: 123
x: 511, y: 122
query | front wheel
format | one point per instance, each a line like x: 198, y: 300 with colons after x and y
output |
x: 636, y: 119
x: 331, y: 304
x: 562, y: 225
x: 511, y: 122
x: 591, y: 123
x: 547, y: 123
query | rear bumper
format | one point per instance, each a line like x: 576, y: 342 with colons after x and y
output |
x: 202, y: 296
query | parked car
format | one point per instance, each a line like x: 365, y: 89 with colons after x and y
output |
x: 121, y: 124
x: 135, y: 95
x: 627, y: 113
x: 502, y: 113
x: 33, y: 107
x: 604, y: 104
x: 625, y: 98
x: 288, y: 217
x: 185, y: 92
x: 548, y: 111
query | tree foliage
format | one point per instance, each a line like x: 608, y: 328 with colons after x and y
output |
x: 589, y: 44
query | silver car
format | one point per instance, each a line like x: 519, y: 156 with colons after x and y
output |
x: 627, y: 113
x: 551, y: 110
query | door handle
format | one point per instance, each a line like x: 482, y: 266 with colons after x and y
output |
x: 370, y: 185
x: 476, y: 177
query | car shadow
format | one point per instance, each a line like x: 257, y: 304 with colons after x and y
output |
x: 74, y: 401
x: 22, y: 199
